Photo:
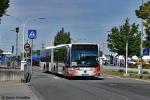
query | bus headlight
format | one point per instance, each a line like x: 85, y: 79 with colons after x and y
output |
x: 70, y: 69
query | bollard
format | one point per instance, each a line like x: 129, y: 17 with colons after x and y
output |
x: 139, y: 69
x: 22, y: 65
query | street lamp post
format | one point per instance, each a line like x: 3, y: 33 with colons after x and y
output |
x: 17, y: 31
x: 141, y: 41
x: 103, y: 49
x: 126, y: 57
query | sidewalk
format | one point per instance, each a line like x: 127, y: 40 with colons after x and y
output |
x: 16, y: 91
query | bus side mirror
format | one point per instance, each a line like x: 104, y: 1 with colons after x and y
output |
x: 97, y: 59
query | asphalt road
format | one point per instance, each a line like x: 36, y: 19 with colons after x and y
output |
x: 51, y: 87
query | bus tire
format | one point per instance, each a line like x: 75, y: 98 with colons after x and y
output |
x: 44, y: 68
x: 64, y: 72
x: 54, y: 69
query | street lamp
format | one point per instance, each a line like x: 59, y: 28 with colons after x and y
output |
x: 17, y: 31
x: 24, y: 24
x: 16, y: 18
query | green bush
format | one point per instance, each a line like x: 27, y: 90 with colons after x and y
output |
x: 121, y: 70
x: 133, y: 75
x: 148, y: 76
x: 134, y: 72
x: 145, y: 72
x: 132, y: 66
x: 146, y: 66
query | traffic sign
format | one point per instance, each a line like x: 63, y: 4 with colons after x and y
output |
x: 146, y: 51
x: 32, y: 34
x: 27, y: 46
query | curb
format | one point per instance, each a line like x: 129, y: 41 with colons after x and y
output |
x: 35, y: 92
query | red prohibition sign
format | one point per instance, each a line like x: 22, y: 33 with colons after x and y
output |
x: 27, y: 46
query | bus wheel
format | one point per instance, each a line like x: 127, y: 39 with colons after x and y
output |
x: 54, y: 70
x: 64, y: 72
x: 44, y: 68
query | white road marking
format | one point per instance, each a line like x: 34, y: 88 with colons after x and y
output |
x: 110, y: 77
x: 55, y: 77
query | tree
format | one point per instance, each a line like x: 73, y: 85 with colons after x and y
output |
x: 144, y: 12
x: 1, y: 51
x: 62, y: 37
x: 36, y: 52
x: 118, y: 37
x: 4, y: 4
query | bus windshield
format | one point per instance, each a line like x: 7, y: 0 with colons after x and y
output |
x: 84, y: 56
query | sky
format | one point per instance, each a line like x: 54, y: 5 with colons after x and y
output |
x: 86, y: 20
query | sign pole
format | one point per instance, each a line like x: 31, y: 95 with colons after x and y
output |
x: 32, y: 35
x: 127, y: 58
x: 31, y: 57
x: 31, y: 54
x: 27, y: 48
x: 26, y: 56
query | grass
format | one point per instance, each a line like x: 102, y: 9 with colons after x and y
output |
x: 145, y: 75
x: 114, y: 72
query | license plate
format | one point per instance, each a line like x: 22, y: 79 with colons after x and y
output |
x: 85, y: 74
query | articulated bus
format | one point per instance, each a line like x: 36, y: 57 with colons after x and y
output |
x: 78, y: 59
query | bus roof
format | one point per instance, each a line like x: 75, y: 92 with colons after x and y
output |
x: 86, y: 43
x: 6, y: 53
x: 50, y: 47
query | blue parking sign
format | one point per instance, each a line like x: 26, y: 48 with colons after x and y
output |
x: 145, y: 51
x: 32, y: 34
